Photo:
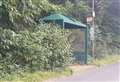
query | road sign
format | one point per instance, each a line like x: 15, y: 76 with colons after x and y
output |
x: 89, y: 19
x: 92, y: 32
x: 93, y: 14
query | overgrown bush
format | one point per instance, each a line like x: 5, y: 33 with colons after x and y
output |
x: 45, y: 48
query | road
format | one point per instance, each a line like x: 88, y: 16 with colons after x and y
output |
x: 108, y: 73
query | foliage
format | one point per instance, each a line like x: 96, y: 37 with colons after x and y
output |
x: 36, y: 76
x: 57, y: 1
x: 45, y: 48
x: 22, y: 14
x: 108, y: 59
x: 77, y: 9
x: 107, y: 28
x: 47, y: 8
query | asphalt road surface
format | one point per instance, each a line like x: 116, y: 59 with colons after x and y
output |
x: 109, y: 73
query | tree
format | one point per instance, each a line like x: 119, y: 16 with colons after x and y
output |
x: 25, y: 14
x: 77, y: 9
x: 107, y: 24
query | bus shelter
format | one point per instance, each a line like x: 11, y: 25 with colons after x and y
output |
x: 78, y: 37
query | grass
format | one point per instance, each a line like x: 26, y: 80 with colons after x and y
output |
x: 106, y: 60
x: 36, y: 76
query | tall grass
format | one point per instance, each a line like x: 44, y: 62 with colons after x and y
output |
x: 108, y: 59
x: 36, y: 76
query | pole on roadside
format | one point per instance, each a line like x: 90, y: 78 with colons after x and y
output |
x: 91, y: 22
x: 93, y: 29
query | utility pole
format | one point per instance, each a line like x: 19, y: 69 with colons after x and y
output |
x: 93, y: 29
x: 91, y: 21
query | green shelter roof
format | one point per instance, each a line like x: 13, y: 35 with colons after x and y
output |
x: 65, y: 19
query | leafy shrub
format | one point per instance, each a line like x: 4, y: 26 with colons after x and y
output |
x: 45, y: 48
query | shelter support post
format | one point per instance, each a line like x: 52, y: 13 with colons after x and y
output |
x: 86, y: 45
